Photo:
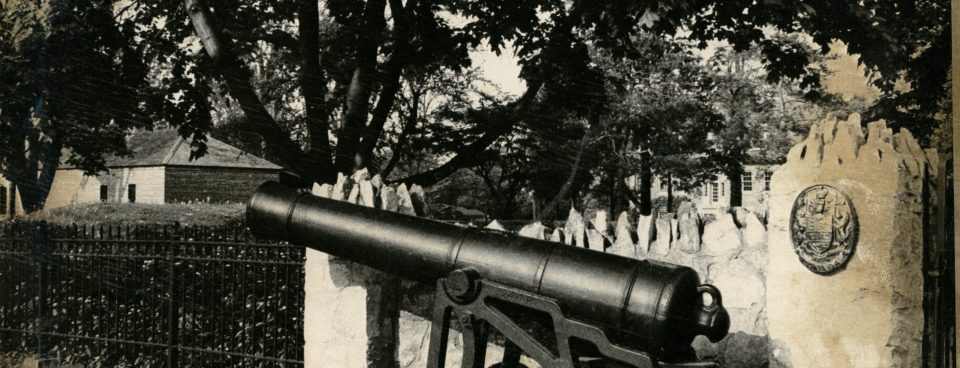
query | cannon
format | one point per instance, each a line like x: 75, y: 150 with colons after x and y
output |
x: 589, y: 304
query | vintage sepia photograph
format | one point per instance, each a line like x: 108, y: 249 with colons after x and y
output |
x: 478, y: 183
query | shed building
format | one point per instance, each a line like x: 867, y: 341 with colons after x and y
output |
x: 10, y: 204
x: 160, y: 170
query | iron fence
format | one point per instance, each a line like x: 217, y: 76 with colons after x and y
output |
x: 150, y: 296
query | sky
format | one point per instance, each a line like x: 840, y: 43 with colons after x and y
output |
x: 501, y: 70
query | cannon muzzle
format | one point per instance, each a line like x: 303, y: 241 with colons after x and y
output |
x: 647, y: 304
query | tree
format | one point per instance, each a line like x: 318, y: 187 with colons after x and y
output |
x: 416, y: 35
x: 662, y: 118
x: 438, y: 112
x: 72, y: 81
x: 534, y: 27
x: 922, y: 64
x: 760, y: 118
x: 318, y: 82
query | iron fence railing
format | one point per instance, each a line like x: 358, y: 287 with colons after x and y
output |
x: 150, y: 296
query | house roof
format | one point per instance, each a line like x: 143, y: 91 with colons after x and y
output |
x: 167, y: 148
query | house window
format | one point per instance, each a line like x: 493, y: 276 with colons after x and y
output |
x: 3, y: 200
x: 747, y: 181
x: 103, y: 193
x: 132, y: 193
x: 766, y: 179
x: 714, y: 192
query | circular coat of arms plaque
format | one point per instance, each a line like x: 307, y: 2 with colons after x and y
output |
x: 823, y: 228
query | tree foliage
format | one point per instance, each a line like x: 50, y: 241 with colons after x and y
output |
x: 321, y: 84
x: 72, y: 79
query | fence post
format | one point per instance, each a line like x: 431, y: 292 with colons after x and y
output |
x: 173, y: 305
x: 42, y: 252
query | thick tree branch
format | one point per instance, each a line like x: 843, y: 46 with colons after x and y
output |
x: 278, y: 143
x: 33, y: 162
x: 393, y: 68
x: 361, y: 85
x: 314, y: 87
x: 472, y: 153
x: 49, y: 159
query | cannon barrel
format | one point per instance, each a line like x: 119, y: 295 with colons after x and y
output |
x: 643, y: 303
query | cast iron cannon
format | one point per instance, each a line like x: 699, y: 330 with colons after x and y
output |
x: 637, y: 312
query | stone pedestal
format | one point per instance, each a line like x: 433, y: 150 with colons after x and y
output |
x: 623, y: 244
x: 661, y: 246
x: 868, y: 312
x: 689, y: 227
x: 645, y: 230
x: 335, y: 331
x: 351, y: 311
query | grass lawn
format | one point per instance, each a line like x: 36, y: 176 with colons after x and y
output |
x: 139, y: 213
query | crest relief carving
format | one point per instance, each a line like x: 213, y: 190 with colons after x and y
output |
x: 824, y: 229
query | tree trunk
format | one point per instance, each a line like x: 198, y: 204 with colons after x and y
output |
x: 570, y: 178
x: 618, y: 186
x: 390, y: 84
x: 13, y: 199
x: 33, y: 159
x: 614, y: 196
x: 735, y: 176
x: 34, y: 191
x: 669, y: 193
x: 630, y: 195
x: 314, y: 87
x: 646, y: 183
x: 361, y: 85
x: 238, y: 79
x: 33, y: 184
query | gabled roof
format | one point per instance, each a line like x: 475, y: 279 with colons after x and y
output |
x: 167, y: 148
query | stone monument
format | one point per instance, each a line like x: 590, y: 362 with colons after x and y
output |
x: 844, y: 282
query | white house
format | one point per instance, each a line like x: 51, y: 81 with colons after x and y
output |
x: 714, y: 198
